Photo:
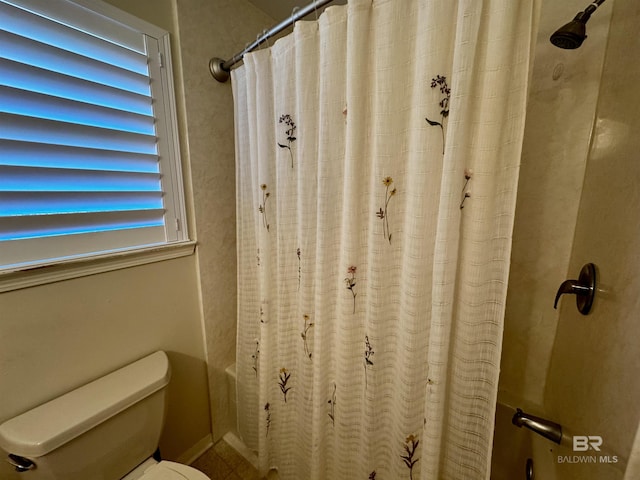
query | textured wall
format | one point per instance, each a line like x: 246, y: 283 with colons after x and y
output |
x: 207, y: 29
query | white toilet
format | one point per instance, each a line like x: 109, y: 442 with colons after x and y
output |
x: 105, y: 430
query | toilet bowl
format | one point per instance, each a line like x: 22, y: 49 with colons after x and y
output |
x: 152, y: 470
x: 105, y: 430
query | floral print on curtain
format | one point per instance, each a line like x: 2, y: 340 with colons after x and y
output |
x: 441, y: 81
x: 383, y: 213
x: 370, y: 290
x: 289, y: 132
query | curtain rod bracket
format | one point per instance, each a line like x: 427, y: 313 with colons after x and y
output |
x: 217, y: 70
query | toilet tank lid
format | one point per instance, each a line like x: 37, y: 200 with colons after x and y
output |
x: 49, y: 426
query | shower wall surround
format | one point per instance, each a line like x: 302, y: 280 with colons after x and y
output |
x: 560, y: 115
x: 578, y: 189
x: 593, y: 384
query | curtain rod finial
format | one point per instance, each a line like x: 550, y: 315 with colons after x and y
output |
x: 217, y: 70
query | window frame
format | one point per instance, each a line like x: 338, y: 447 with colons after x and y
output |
x: 167, y: 133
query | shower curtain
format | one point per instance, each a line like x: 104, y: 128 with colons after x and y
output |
x: 377, y: 155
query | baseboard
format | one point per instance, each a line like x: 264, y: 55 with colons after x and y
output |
x: 195, y: 451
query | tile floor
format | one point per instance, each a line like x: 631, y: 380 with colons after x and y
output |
x: 222, y: 462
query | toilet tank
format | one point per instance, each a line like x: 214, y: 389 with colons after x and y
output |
x: 99, y: 431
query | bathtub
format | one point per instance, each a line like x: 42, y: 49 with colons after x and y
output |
x: 513, y: 446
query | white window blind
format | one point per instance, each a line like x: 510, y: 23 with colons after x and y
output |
x: 88, y: 146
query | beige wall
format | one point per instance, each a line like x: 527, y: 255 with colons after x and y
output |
x: 56, y: 337
x: 207, y: 29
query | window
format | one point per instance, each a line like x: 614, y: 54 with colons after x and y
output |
x: 89, y: 160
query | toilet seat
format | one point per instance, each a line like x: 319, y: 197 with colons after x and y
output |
x: 166, y: 470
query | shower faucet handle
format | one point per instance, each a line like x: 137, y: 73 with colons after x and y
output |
x: 584, y: 288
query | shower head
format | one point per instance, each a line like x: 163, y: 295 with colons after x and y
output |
x: 572, y: 34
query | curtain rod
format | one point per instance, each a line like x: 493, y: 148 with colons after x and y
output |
x: 220, y: 69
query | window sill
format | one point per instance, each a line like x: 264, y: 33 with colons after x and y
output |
x: 66, y: 270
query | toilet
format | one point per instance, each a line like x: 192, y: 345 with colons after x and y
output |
x: 105, y: 430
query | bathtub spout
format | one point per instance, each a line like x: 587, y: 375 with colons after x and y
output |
x: 541, y: 426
